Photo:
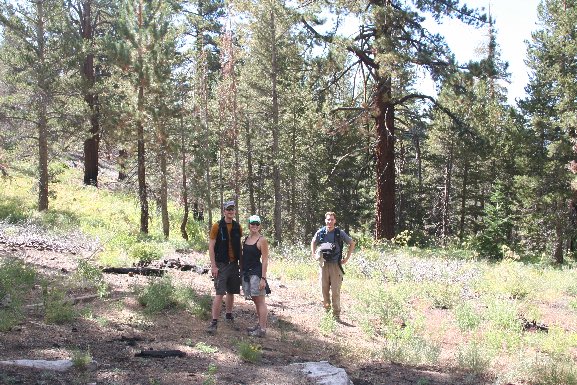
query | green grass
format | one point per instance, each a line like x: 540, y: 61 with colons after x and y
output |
x: 110, y: 217
x: 16, y: 280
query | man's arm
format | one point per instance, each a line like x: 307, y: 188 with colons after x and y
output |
x: 350, y: 250
x: 314, y: 248
x: 212, y: 256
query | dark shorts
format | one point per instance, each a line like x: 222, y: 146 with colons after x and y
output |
x: 228, y: 279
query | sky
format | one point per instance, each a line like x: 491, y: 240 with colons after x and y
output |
x: 514, y: 22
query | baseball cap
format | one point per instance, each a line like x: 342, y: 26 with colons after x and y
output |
x: 254, y: 218
x: 228, y: 204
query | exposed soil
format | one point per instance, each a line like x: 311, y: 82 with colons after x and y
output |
x: 114, y: 329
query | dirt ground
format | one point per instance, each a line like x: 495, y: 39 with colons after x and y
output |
x: 114, y: 329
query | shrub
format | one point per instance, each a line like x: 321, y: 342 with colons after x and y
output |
x: 473, y: 358
x: 145, y: 252
x: 57, y: 308
x: 81, y: 359
x: 405, y: 344
x: 204, y: 348
x: 442, y: 295
x: 91, y: 276
x: 552, y: 370
x: 466, y: 317
x: 249, y: 352
x: 16, y: 279
x: 328, y: 324
x: 157, y: 296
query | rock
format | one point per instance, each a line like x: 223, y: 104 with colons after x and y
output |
x: 323, y: 373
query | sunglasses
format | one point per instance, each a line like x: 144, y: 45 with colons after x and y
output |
x: 230, y: 209
x: 255, y: 223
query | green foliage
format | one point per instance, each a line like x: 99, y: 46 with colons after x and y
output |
x: 205, y: 348
x: 145, y: 252
x: 249, y: 352
x: 328, y: 323
x: 442, y: 295
x: 552, y: 370
x: 466, y: 317
x: 158, y: 295
x: 210, y: 375
x: 91, y: 276
x: 380, y: 308
x: 512, y: 279
x: 406, y: 344
x: 497, y: 224
x: 81, y: 359
x: 503, y: 326
x: 473, y: 358
x: 16, y: 280
x: 555, y: 342
x: 201, y: 306
x: 58, y: 309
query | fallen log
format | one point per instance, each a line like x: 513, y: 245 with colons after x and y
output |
x: 149, y: 271
x: 160, y: 353
x: 56, y: 365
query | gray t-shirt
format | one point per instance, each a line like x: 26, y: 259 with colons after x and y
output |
x: 330, y: 237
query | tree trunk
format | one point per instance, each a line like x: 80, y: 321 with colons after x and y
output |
x: 446, y: 196
x: 385, y: 154
x: 164, y: 185
x: 142, y: 191
x: 184, y: 222
x: 42, y: 114
x: 91, y: 144
x: 249, y: 166
x: 122, y: 159
x: 464, y: 193
x: 276, y: 174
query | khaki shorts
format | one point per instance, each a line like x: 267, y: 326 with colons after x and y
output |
x: 250, y: 287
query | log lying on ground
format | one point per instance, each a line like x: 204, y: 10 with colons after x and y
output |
x: 160, y: 353
x: 135, y: 270
x: 56, y: 365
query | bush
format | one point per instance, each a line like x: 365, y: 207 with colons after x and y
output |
x: 249, y: 352
x: 553, y: 370
x: 145, y: 252
x: 90, y: 276
x: 16, y: 279
x: 57, y: 308
x: 473, y: 358
x: 157, y: 296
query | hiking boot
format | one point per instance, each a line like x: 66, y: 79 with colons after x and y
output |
x: 258, y: 332
x: 211, y: 329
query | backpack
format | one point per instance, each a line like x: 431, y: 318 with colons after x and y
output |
x: 338, y: 240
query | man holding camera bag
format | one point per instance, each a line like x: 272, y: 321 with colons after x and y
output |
x: 327, y: 248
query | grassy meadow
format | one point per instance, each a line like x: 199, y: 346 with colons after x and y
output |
x: 507, y: 322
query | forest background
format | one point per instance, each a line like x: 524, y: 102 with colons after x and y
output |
x: 267, y: 102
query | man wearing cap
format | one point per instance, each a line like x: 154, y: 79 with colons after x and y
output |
x: 224, y: 249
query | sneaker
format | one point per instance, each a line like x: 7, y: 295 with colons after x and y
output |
x: 211, y: 329
x: 257, y: 332
x: 252, y: 328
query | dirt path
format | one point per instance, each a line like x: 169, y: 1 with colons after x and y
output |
x: 114, y: 329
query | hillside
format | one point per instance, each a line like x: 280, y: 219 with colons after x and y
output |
x: 114, y: 329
